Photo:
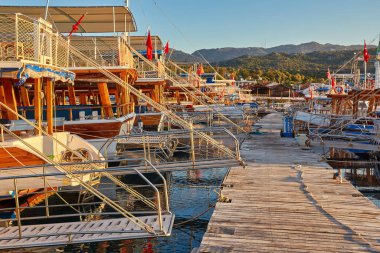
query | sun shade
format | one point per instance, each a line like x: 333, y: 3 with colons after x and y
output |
x: 98, y: 19
x: 138, y: 42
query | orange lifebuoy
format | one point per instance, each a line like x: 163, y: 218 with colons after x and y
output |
x: 338, y: 89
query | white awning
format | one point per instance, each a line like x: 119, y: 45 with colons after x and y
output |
x: 98, y: 19
x: 139, y: 42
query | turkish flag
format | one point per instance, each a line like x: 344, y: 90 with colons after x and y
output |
x: 149, y: 47
x: 333, y: 83
x: 200, y: 70
x: 76, y: 25
x: 167, y: 49
x: 365, y: 52
x: 328, y: 74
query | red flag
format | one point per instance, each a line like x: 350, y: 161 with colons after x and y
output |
x: 200, y: 70
x: 75, y: 26
x: 333, y: 83
x: 328, y: 74
x: 149, y: 47
x: 365, y: 52
x: 167, y: 49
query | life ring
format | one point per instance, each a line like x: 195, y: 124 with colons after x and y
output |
x: 338, y: 89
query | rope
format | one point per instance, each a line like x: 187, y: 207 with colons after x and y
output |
x: 22, y: 164
x: 154, y: 104
x: 180, y: 32
x: 194, y: 217
x: 359, y: 53
x: 77, y: 178
x: 183, y: 87
x: 337, y: 125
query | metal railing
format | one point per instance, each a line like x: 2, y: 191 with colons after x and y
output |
x: 24, y: 38
x: 160, y: 147
x: 145, y: 71
x: 71, y: 208
x: 90, y: 167
x: 107, y: 51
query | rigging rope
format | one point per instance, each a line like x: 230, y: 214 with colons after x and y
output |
x: 117, y: 80
x: 192, y: 94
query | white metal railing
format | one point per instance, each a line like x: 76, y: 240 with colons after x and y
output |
x: 107, y: 51
x: 46, y: 211
x: 71, y: 173
x: 24, y: 38
x: 145, y: 71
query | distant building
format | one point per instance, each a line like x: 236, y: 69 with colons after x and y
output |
x: 272, y: 90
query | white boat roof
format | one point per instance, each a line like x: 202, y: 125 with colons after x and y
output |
x: 138, y: 42
x: 98, y: 19
x: 313, y: 119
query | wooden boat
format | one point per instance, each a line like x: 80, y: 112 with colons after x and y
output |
x: 28, y: 141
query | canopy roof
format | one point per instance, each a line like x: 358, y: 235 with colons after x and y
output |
x: 98, y: 19
x: 139, y: 42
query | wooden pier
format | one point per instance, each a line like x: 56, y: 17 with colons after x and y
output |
x: 286, y: 200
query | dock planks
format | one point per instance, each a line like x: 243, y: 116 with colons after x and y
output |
x: 286, y: 200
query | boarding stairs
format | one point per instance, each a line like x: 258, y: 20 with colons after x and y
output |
x: 81, y: 232
x: 53, y: 229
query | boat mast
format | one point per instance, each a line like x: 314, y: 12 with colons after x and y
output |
x: 127, y: 33
x: 47, y: 8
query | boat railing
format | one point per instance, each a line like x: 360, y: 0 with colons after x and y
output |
x: 211, y: 119
x: 196, y: 94
x: 72, y: 112
x: 145, y: 71
x: 338, y: 126
x: 159, y: 107
x: 159, y: 147
x: 31, y: 40
x: 85, y: 183
x: 51, y: 205
x: 108, y: 51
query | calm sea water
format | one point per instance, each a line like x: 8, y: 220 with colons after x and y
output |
x: 193, y: 195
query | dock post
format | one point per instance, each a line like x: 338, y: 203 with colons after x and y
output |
x: 145, y: 156
x: 149, y: 157
x: 17, y: 208
x: 46, y: 195
x: 192, y: 143
x: 37, y: 104
x: 49, y: 105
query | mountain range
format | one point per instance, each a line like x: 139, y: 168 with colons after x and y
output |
x: 217, y: 55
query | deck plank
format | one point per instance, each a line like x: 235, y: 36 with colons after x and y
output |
x: 286, y: 200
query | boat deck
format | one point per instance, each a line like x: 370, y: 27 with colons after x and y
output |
x: 80, y: 232
x: 286, y: 200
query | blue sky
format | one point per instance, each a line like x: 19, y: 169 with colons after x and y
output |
x: 192, y: 25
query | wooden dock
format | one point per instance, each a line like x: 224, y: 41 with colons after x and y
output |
x: 286, y: 200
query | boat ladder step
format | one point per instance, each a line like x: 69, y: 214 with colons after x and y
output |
x: 82, y: 232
